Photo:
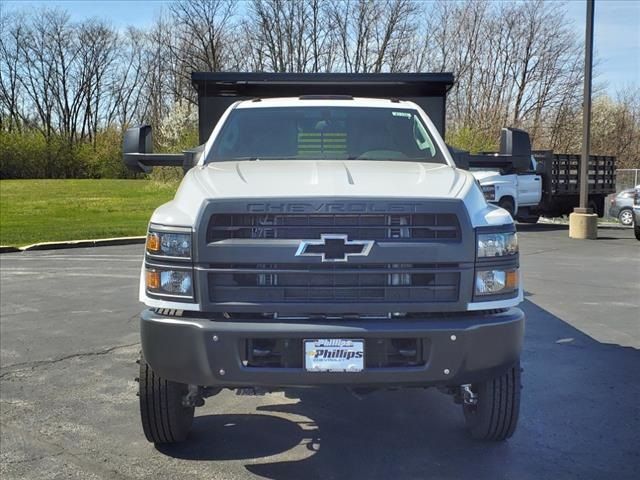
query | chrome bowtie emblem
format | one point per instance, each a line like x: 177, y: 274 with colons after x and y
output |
x: 334, y: 248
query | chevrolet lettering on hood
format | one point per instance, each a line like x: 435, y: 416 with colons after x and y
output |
x: 334, y: 207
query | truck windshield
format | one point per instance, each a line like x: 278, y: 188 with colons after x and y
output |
x: 328, y: 133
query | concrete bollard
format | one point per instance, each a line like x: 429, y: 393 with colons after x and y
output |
x: 583, y: 226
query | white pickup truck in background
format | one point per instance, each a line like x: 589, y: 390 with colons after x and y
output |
x: 518, y: 193
x: 543, y: 184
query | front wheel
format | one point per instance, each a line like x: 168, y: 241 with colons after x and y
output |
x: 626, y: 217
x: 494, y: 416
x: 164, y: 417
x: 507, y: 204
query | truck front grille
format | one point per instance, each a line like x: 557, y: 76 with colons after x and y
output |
x: 295, y: 283
x: 413, y: 227
x: 252, y: 258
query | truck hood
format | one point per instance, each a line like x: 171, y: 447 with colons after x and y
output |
x: 485, y: 174
x: 296, y: 178
x: 325, y: 178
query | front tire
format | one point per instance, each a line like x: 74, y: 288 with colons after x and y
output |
x: 508, y: 205
x: 495, y: 415
x: 625, y: 217
x: 164, y: 418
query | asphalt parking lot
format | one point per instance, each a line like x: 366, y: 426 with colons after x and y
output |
x: 68, y: 409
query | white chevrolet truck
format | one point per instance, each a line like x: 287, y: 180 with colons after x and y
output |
x: 515, y: 192
x: 543, y: 184
x: 326, y: 239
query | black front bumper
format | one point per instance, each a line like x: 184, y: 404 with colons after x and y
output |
x: 456, y: 349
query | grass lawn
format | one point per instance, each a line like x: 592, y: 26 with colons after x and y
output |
x: 34, y: 211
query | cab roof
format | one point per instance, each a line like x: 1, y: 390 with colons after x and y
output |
x: 325, y: 101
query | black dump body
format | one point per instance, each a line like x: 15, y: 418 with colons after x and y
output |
x: 561, y: 180
x: 218, y: 90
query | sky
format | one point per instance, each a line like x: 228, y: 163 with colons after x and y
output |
x: 616, y: 30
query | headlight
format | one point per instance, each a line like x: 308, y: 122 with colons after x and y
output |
x: 497, y: 244
x: 489, y: 192
x: 169, y: 244
x: 496, y: 282
x: 169, y: 282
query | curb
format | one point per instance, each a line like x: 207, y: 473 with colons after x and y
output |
x: 98, y: 242
x: 566, y: 223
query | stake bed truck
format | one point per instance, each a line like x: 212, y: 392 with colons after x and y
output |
x: 544, y: 183
x: 321, y: 238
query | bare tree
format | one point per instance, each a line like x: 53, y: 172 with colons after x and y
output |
x: 373, y: 36
x: 128, y: 80
x: 12, y: 34
x: 199, y: 38
x: 287, y: 36
x: 515, y: 63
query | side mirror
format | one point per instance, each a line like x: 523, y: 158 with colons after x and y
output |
x: 516, y: 143
x: 539, y: 168
x: 137, y: 149
x: 137, y: 140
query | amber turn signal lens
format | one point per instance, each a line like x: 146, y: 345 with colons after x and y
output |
x: 153, y: 280
x: 512, y: 279
x: 153, y: 242
x: 496, y: 282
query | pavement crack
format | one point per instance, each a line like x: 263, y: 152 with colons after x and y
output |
x: 34, y: 459
x: 53, y: 448
x: 19, y: 367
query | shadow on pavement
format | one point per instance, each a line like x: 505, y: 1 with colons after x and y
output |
x: 579, y: 419
x: 232, y: 437
x: 541, y: 227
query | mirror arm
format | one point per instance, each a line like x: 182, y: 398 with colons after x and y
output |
x: 146, y: 161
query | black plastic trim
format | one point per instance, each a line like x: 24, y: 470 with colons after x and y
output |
x: 505, y: 228
x: 463, y: 349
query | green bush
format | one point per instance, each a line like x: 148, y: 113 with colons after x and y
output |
x: 29, y: 154
x: 103, y: 159
x: 23, y: 155
x: 472, y: 140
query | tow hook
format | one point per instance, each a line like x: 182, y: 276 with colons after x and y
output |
x: 468, y: 396
x: 194, y: 397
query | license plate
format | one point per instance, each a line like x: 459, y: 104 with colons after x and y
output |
x: 334, y: 355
